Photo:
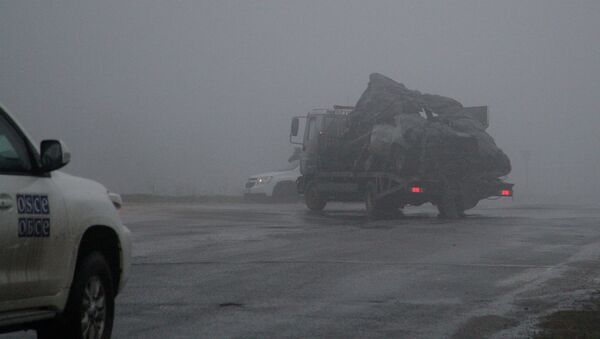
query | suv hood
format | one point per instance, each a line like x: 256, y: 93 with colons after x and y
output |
x: 276, y: 174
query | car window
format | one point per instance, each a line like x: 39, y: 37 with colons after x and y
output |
x: 14, y: 156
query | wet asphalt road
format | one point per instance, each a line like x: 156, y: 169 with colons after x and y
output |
x: 263, y: 271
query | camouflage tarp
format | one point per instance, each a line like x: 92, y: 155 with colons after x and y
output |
x: 423, y: 134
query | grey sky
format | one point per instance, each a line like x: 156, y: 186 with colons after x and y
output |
x: 189, y: 97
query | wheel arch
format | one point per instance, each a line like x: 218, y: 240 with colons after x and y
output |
x: 105, y: 240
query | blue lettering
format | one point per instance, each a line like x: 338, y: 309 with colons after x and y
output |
x: 37, y: 204
x: 20, y: 203
x: 46, y: 227
x: 45, y: 205
x: 34, y: 227
x: 22, y: 228
x: 28, y: 204
x: 33, y: 204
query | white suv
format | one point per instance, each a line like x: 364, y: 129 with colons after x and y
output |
x: 64, y: 253
x: 278, y: 186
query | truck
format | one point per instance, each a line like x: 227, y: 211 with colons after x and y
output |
x: 328, y: 173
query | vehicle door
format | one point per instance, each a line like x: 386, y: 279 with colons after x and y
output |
x: 310, y: 147
x: 33, y: 231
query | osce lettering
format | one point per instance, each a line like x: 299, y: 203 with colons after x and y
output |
x: 33, y: 204
x: 37, y: 222
x: 34, y: 227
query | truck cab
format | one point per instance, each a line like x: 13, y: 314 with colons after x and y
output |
x: 321, y: 126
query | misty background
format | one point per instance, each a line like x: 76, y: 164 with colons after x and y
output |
x: 191, y: 97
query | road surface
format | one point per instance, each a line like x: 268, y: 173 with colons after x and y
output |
x: 263, y: 271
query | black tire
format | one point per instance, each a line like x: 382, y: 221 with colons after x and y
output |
x: 314, y: 199
x: 91, y: 293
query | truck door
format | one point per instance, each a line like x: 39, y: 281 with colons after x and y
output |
x: 32, y: 220
x: 308, y: 163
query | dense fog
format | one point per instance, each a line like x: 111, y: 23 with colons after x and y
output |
x: 191, y: 97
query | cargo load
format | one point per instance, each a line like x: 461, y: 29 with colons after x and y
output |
x: 399, y: 121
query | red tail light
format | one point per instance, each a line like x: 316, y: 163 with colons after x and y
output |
x: 416, y: 189
x: 505, y: 193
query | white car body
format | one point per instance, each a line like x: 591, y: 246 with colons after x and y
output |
x: 47, y: 220
x: 265, y: 185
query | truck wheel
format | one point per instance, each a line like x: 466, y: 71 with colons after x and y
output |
x: 90, y: 308
x: 314, y: 199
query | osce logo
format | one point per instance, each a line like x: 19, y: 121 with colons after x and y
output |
x: 35, y: 209
x: 33, y: 204
x: 34, y: 227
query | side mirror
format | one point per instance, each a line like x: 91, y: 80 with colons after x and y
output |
x: 54, y: 155
x: 295, y: 126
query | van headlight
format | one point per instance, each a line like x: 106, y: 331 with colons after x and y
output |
x: 263, y: 180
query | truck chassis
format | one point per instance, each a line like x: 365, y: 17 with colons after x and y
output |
x: 384, y: 193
